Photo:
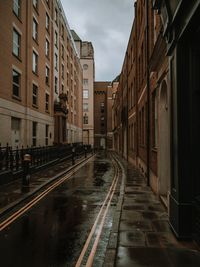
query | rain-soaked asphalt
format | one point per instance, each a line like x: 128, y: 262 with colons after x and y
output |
x: 54, y: 231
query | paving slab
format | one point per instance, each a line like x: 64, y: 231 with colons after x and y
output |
x: 144, y: 237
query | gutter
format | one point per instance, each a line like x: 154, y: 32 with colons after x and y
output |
x: 148, y: 95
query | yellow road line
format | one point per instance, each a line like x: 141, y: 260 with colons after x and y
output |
x: 34, y: 201
x: 94, y: 248
x: 110, y: 193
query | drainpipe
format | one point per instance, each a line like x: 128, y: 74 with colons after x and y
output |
x: 148, y: 94
x: 127, y: 128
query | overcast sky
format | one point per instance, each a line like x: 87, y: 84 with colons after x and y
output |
x: 107, y: 24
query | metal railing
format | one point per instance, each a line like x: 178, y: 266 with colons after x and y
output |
x: 11, y: 160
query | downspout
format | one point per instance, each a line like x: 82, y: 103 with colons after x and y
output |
x: 127, y: 128
x: 27, y: 122
x: 148, y: 94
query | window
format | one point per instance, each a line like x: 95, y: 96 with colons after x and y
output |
x: 56, y: 39
x: 85, y: 93
x: 16, y: 43
x: 16, y: 7
x: 62, y: 32
x: 56, y: 61
x: 56, y: 85
x: 47, y: 102
x: 47, y: 75
x: 85, y: 66
x: 102, y: 107
x: 16, y: 83
x: 35, y: 95
x: 56, y: 15
x: 63, y: 71
x: 85, y: 82
x: 46, y: 134
x: 85, y: 107
x: 35, y: 62
x: 35, y: 4
x: 62, y: 88
x: 35, y: 30
x: 34, y: 133
x: 47, y: 48
x: 63, y: 52
x: 102, y: 118
x: 47, y: 22
x: 85, y: 119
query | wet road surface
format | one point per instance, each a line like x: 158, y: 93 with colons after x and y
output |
x: 54, y: 231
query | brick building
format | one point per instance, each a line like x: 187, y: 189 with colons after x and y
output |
x: 142, y: 101
x: 41, y: 75
x: 104, y: 94
x: 100, y: 111
x: 160, y: 86
x: 86, y: 53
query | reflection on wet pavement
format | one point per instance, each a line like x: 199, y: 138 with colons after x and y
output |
x: 53, y: 232
x: 145, y: 237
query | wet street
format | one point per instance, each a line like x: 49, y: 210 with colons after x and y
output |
x: 53, y: 232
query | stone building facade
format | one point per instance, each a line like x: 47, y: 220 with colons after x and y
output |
x: 41, y: 81
x: 86, y: 52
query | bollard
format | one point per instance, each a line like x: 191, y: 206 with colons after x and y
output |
x: 26, y: 170
x: 85, y: 148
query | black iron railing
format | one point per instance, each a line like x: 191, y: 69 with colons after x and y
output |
x: 11, y: 160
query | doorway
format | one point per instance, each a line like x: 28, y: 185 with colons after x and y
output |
x: 164, y: 145
x: 15, y: 132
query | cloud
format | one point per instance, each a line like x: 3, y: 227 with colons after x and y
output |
x: 107, y: 24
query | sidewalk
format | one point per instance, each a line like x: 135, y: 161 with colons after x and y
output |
x: 13, y: 193
x: 141, y: 235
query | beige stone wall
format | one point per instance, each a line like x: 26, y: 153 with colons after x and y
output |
x: 23, y: 107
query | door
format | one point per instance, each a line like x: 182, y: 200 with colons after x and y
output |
x: 195, y: 134
x: 15, y: 132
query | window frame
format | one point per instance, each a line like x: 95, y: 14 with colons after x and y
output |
x: 16, y: 85
x: 18, y: 45
x: 18, y: 13
x: 35, y: 23
x: 85, y: 93
x: 35, y: 95
x: 34, y: 133
x: 46, y: 102
x: 35, y: 68
x: 47, y: 48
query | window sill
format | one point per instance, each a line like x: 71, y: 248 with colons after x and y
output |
x: 16, y: 97
x: 36, y: 10
x: 17, y: 57
x: 35, y: 106
x: 18, y: 17
x: 35, y: 40
x: 35, y: 73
